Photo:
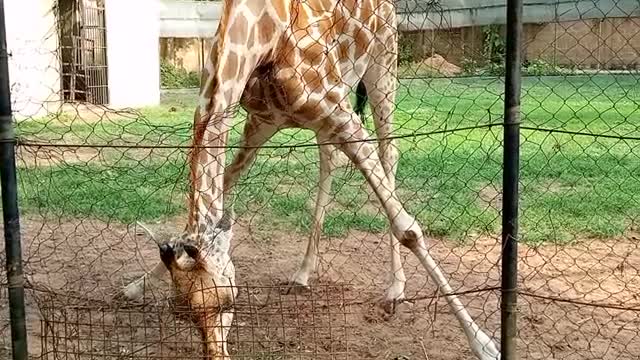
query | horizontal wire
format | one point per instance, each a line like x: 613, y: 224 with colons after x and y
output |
x: 404, y: 136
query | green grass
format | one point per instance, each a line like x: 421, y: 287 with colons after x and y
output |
x: 572, y: 186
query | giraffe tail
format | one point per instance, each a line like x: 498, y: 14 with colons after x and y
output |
x: 361, y: 100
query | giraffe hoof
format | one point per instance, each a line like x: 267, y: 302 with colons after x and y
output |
x: 390, y: 306
x: 294, y: 288
x: 122, y: 297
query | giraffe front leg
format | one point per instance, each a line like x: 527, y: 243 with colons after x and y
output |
x: 257, y: 131
x: 135, y: 289
x: 300, y: 279
x: 215, y: 336
x: 380, y: 83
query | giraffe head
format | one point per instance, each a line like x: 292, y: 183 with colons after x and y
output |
x: 203, y: 278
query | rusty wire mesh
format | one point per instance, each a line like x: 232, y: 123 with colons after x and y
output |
x: 87, y: 173
x: 578, y: 278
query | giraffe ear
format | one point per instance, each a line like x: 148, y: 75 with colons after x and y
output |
x: 167, y: 255
x: 150, y: 233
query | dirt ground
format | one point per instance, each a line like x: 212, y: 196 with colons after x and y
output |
x: 76, y: 266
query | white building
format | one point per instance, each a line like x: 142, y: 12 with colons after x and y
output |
x: 101, y: 52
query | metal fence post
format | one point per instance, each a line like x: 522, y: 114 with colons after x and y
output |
x: 10, y: 204
x: 511, y: 158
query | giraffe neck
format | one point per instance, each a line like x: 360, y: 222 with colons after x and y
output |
x: 247, y: 33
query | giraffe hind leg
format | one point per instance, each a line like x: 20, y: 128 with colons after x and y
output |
x: 404, y: 226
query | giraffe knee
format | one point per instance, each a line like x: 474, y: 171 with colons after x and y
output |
x: 409, y: 235
x: 389, y: 155
x: 409, y: 239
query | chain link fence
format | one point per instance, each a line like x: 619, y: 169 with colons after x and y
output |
x: 88, y: 173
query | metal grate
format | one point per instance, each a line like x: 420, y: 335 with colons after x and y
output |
x: 84, y: 51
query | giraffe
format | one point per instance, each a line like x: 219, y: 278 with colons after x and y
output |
x: 291, y: 64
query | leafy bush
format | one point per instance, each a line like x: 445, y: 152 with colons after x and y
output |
x: 406, y: 49
x: 539, y: 67
x: 494, y: 49
x: 469, y: 66
x: 173, y: 77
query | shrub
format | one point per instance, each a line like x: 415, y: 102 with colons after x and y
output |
x: 539, y: 67
x: 173, y: 77
x: 406, y: 49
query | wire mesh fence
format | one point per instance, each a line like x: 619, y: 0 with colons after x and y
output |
x: 88, y: 174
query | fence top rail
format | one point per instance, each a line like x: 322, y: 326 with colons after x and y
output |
x: 415, y: 15
x: 192, y: 19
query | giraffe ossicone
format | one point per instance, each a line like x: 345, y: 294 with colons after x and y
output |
x: 293, y: 64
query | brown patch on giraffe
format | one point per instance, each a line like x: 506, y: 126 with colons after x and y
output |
x: 313, y: 53
x: 210, y: 82
x: 287, y: 52
x: 331, y: 72
x: 281, y: 10
x: 343, y: 50
x: 339, y: 23
x: 315, y: 6
x: 366, y: 13
x: 267, y: 29
x: 230, y: 69
x: 302, y: 19
x: 239, y: 30
x: 361, y: 43
x: 333, y: 97
x: 312, y: 79
x: 326, y: 4
x: 308, y: 111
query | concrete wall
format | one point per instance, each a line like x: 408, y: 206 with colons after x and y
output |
x: 566, y: 32
x: 607, y: 44
x: 416, y: 15
x: 189, y: 19
x: 133, y: 30
x: 185, y: 53
x: 612, y: 43
x: 33, y: 64
x: 133, y: 60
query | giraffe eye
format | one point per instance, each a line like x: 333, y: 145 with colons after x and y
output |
x: 192, y: 251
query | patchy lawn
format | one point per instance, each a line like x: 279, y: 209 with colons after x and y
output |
x: 572, y: 185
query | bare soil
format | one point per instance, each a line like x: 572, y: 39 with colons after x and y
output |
x: 75, y: 267
x: 439, y: 64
